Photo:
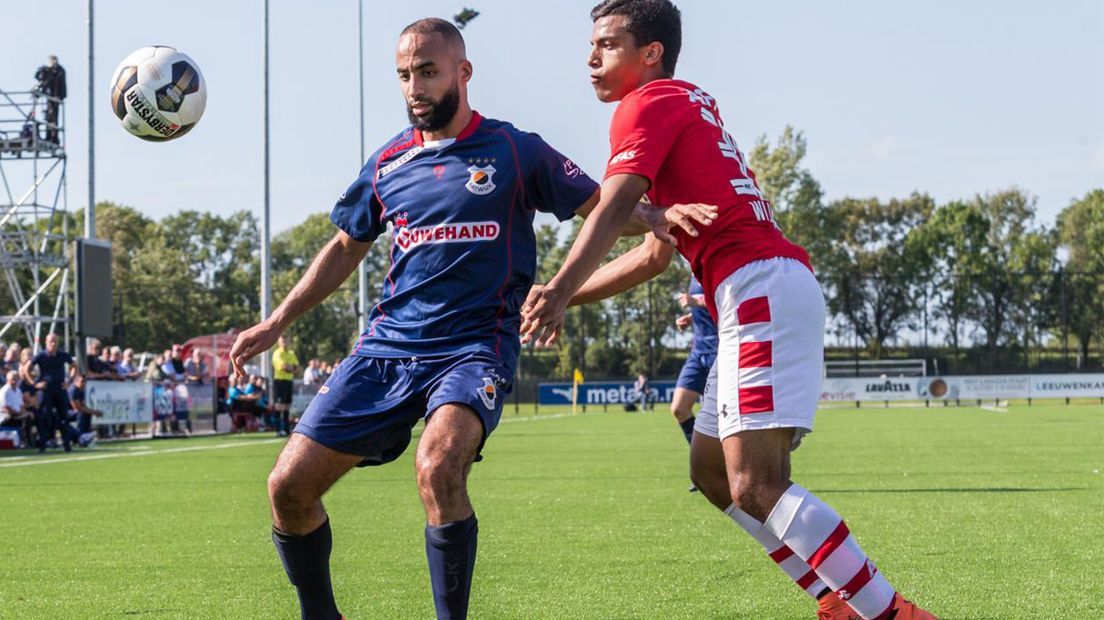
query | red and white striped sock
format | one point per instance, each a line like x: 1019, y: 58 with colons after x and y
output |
x: 817, y: 534
x: 804, y: 576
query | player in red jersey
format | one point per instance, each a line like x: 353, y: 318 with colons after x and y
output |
x: 668, y: 143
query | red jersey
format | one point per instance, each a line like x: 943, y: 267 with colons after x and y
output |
x: 670, y: 132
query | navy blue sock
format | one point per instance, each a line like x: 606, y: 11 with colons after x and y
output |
x: 450, y: 551
x: 307, y: 562
x: 687, y: 427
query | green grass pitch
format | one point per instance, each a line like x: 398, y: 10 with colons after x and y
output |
x: 974, y: 513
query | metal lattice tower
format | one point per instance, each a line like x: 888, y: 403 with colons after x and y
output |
x: 34, y: 227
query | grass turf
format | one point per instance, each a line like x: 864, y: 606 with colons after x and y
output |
x: 974, y: 513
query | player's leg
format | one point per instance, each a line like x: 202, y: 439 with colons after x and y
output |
x: 453, y: 435
x: 682, y: 407
x: 709, y: 473
x: 304, y: 471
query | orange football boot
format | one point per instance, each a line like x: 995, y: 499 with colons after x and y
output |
x: 831, y: 607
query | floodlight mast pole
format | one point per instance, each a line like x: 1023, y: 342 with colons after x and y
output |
x: 362, y: 270
x: 90, y: 212
x: 266, y: 286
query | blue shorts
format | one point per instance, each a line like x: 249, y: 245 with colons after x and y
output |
x: 695, y: 372
x: 370, y: 404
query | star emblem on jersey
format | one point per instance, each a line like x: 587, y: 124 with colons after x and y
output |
x: 481, y: 181
x: 488, y: 393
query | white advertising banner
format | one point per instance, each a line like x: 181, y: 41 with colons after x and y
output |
x: 122, y: 402
x: 967, y: 387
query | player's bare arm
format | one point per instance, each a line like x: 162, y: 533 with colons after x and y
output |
x: 620, y: 195
x: 327, y: 271
x: 659, y: 221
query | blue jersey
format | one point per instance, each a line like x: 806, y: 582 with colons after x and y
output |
x: 705, y: 330
x: 51, y: 368
x: 463, y: 249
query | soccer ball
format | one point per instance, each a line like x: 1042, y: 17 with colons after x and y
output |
x: 158, y: 93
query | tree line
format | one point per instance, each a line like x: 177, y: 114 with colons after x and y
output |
x: 979, y: 281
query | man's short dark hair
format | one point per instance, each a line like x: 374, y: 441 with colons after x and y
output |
x: 648, y: 21
x: 445, y: 28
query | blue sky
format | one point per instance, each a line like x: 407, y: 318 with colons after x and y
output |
x: 951, y: 98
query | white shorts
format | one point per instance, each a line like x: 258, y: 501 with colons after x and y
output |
x: 770, y: 357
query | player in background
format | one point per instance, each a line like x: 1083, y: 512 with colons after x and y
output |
x: 703, y: 352
x: 461, y: 192
x: 668, y: 143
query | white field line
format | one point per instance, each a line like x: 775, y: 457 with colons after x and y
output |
x: 995, y: 409
x: 117, y: 455
x: 22, y: 461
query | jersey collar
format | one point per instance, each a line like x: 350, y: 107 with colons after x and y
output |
x: 473, y: 124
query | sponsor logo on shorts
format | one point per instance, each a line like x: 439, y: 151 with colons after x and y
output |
x: 488, y: 393
x: 325, y: 389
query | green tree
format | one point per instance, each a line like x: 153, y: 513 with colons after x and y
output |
x: 877, y: 266
x: 1081, y: 296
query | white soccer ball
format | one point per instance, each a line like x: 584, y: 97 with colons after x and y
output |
x: 158, y: 93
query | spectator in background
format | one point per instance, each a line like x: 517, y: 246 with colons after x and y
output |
x: 284, y: 366
x: 27, y: 374
x: 52, y: 371
x: 125, y: 368
x: 14, y: 411
x: 264, y: 410
x: 310, y: 373
x: 51, y: 82
x: 12, y: 357
x: 155, y: 372
x: 195, y: 369
x: 3, y: 351
x: 242, y: 402
x: 174, y: 363
x: 97, y: 367
x: 85, y: 436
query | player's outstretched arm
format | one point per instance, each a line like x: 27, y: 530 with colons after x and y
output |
x: 327, y: 271
x: 631, y: 269
x: 659, y: 221
x: 620, y: 194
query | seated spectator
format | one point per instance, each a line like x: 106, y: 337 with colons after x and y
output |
x: 97, y: 367
x: 11, y: 358
x: 125, y: 368
x: 310, y: 373
x: 242, y: 402
x: 195, y: 369
x: 155, y: 372
x: 14, y: 409
x: 81, y: 413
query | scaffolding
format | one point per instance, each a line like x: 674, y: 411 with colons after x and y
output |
x: 34, y: 223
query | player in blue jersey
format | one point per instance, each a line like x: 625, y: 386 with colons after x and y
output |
x: 460, y: 192
x: 695, y: 372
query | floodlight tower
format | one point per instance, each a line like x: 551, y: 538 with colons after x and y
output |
x: 34, y: 223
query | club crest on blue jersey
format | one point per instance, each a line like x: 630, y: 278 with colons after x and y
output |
x: 480, y: 181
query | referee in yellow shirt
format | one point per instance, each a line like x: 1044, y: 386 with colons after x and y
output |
x: 284, y: 367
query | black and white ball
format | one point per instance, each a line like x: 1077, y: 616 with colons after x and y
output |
x: 158, y: 93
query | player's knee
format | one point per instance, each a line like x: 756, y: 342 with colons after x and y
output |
x: 284, y: 494
x: 754, y: 492
x: 438, y: 470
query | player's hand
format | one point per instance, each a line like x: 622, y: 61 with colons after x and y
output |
x: 684, y: 300
x: 662, y: 220
x: 684, y: 321
x: 251, y: 343
x: 542, y: 316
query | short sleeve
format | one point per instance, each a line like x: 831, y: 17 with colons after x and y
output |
x: 553, y: 183
x: 358, y: 211
x: 644, y: 128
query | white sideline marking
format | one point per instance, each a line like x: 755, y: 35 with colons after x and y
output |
x: 146, y: 452
x: 995, y: 409
x: 98, y: 457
